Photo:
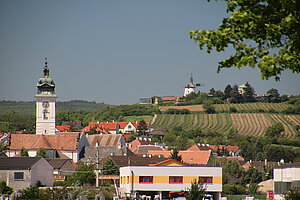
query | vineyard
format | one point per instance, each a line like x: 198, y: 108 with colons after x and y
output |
x: 245, y: 107
x: 246, y: 124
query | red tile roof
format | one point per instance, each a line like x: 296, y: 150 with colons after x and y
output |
x: 191, y: 157
x: 198, y: 148
x: 67, y: 142
x: 232, y: 148
x: 169, y: 98
x: 63, y: 128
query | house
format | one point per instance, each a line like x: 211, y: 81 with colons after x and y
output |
x: 145, y: 100
x: 105, y: 145
x: 61, y: 168
x: 140, y: 141
x: 286, y: 176
x: 241, y: 89
x: 59, y: 145
x: 106, y: 140
x: 156, y: 182
x: 190, y: 157
x: 21, y: 172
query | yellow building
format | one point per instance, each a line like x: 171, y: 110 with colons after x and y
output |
x: 156, y: 182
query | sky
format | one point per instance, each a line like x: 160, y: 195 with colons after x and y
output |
x: 116, y: 51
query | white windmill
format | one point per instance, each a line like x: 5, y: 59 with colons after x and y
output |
x: 191, y: 87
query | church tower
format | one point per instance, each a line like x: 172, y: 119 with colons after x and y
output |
x: 45, y: 104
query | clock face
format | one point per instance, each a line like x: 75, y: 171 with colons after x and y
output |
x: 45, y: 104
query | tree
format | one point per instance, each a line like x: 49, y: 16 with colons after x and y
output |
x: 209, y: 108
x: 249, y: 92
x: 4, y: 189
x: 196, y: 192
x: 41, y: 152
x: 24, y: 152
x: 273, y: 95
x: 212, y: 92
x: 175, y: 155
x: 142, y: 127
x: 32, y: 192
x: 275, y: 130
x: 293, y: 194
x: 235, y: 96
x: 227, y: 91
x: 84, y: 175
x: 233, y: 168
x: 109, y: 167
x: 169, y: 139
x: 263, y: 33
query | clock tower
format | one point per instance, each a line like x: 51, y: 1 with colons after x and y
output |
x: 45, y: 104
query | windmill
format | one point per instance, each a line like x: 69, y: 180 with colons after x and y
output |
x: 191, y: 87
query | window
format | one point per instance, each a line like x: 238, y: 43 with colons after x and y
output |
x: 19, y: 176
x: 146, y: 179
x: 175, y: 179
x: 206, y: 180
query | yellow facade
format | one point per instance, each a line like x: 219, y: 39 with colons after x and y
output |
x: 165, y: 179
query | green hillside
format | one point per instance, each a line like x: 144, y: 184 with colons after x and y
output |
x: 28, y: 107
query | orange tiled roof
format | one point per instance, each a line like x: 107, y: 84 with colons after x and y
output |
x: 122, y: 125
x: 168, y: 98
x: 191, y: 157
x: 232, y: 148
x: 63, y: 128
x: 198, y: 148
x: 169, y: 161
x: 67, y: 142
x: 136, y: 124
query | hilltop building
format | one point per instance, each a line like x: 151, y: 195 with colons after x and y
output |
x: 45, y: 104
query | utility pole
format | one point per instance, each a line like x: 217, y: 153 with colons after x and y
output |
x: 97, y: 169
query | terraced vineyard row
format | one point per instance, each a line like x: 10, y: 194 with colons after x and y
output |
x: 246, y: 123
x: 253, y: 106
x: 242, y: 106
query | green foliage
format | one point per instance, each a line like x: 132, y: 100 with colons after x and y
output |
x: 146, y: 118
x: 234, y: 189
x: 55, y: 194
x: 142, y: 127
x: 4, y: 189
x: 196, y: 192
x: 177, y: 111
x: 24, y: 152
x: 170, y: 139
x: 208, y: 107
x: 30, y: 193
x: 233, y: 168
x: 274, y: 152
x: 252, y: 175
x: 233, y: 109
x: 263, y: 33
x: 174, y: 155
x: 84, y: 175
x: 109, y: 167
x: 252, y: 188
x: 12, y: 121
x: 41, y: 152
x: 293, y: 194
x: 275, y: 130
x: 131, y: 138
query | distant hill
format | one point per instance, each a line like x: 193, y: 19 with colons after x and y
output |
x: 28, y: 107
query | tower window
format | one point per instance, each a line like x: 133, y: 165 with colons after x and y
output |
x: 45, y: 114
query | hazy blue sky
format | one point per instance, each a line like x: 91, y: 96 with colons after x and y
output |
x: 115, y: 51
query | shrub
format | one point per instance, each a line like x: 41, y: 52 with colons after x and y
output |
x: 233, y: 109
